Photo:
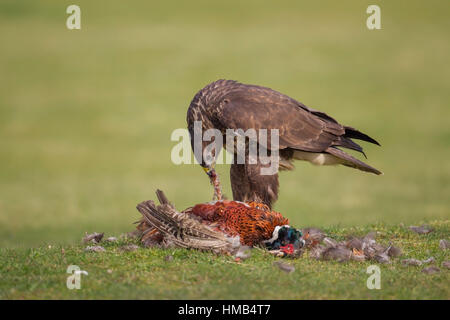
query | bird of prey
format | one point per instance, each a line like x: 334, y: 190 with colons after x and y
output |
x: 219, y: 226
x: 304, y: 134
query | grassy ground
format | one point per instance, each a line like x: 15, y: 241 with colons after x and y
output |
x: 145, y: 273
x: 86, y: 118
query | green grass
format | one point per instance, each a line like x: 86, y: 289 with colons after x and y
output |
x: 86, y: 118
x: 145, y: 274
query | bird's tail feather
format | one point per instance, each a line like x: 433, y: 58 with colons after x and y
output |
x: 355, y: 134
x: 350, y: 161
x: 349, y: 144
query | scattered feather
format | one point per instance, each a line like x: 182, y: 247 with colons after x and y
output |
x: 93, y: 237
x: 394, y: 251
x: 111, y: 239
x: 132, y: 235
x: 330, y: 242
x: 431, y: 270
x: 288, y: 268
x: 243, y: 253
x: 312, y: 236
x: 129, y: 247
x: 337, y: 253
x: 282, y: 254
x: 277, y: 253
x: 423, y: 229
x: 444, y: 244
x: 358, y: 255
x: 168, y: 258
x: 370, y: 237
x: 446, y: 264
x: 94, y: 249
x: 382, y: 258
x: 355, y: 243
x: 317, y: 251
x: 429, y: 260
x: 411, y: 262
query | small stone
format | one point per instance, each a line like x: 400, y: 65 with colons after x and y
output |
x: 111, y: 239
x: 94, y: 249
x: 444, y: 244
x: 431, y: 270
x: 423, y: 229
x: 411, y: 262
x: 109, y: 271
x: 288, y: 268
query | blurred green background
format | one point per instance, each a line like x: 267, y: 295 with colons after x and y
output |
x: 86, y: 115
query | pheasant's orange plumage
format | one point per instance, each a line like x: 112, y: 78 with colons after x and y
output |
x: 252, y: 222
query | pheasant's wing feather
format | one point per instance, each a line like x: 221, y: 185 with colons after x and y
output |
x: 180, y: 230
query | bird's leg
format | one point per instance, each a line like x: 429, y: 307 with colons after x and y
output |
x: 214, y: 179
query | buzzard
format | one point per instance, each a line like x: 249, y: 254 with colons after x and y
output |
x: 304, y: 134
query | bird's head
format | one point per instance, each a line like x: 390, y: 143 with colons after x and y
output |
x: 285, y: 238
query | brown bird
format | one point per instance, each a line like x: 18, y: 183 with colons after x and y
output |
x: 304, y: 134
x: 219, y: 226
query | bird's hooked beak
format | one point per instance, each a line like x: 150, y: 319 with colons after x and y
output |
x: 210, y: 172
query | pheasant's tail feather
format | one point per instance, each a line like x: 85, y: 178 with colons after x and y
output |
x: 163, y: 220
x: 162, y: 197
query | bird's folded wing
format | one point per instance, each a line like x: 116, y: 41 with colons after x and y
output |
x: 262, y: 108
